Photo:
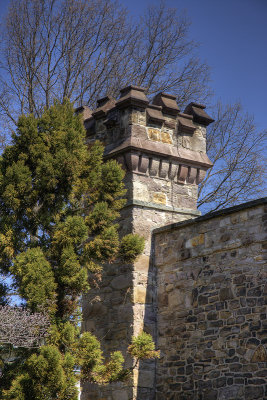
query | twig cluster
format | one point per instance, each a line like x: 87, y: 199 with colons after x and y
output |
x: 20, y: 328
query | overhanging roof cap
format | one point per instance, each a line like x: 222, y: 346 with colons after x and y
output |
x: 132, y: 96
x: 168, y: 103
x: 199, y: 115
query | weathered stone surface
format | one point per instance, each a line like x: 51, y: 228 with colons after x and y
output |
x: 140, y: 294
x: 121, y: 282
x: 146, y: 379
x: 226, y: 294
x: 140, y: 191
x: 254, y: 392
x: 195, y: 241
x: 141, y: 264
x: 153, y: 134
x: 260, y: 355
x: 159, y: 198
x: 120, y: 395
x: 208, y: 313
x: 166, y: 137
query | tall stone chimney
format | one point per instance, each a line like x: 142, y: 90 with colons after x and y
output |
x: 163, y: 152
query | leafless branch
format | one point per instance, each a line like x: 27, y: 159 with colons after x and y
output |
x: 87, y: 48
x: 20, y: 328
x: 235, y: 147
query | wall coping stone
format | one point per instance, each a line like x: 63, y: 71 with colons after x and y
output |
x: 214, y: 214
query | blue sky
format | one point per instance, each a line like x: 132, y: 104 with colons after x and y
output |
x: 233, y: 41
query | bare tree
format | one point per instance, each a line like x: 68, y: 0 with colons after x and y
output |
x: 236, y: 148
x: 84, y: 49
x: 20, y: 328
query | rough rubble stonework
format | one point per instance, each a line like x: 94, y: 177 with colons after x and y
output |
x: 163, y: 152
x: 212, y: 291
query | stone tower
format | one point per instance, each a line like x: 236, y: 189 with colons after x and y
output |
x: 163, y: 152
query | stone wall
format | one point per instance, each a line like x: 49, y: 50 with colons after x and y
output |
x: 199, y: 286
x: 211, y: 320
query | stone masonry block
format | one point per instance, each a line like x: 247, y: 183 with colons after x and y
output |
x: 173, y: 170
x: 139, y: 294
x: 146, y: 379
x: 166, y: 137
x: 143, y: 164
x: 132, y: 161
x: 192, y: 175
x: 164, y: 169
x: 153, y: 134
x: 183, y: 173
x: 201, y: 175
x: 142, y: 264
x: 154, y: 166
x: 159, y: 198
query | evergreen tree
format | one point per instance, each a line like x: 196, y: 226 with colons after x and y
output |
x: 58, y: 206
